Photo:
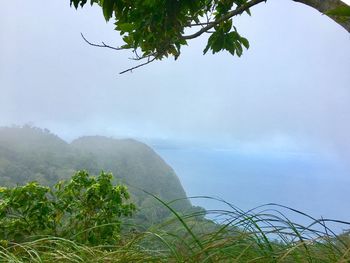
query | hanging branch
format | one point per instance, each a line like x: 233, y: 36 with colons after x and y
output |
x: 150, y: 58
x: 99, y: 45
x: 138, y: 66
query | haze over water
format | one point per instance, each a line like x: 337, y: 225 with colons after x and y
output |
x: 309, y: 183
x: 287, y: 96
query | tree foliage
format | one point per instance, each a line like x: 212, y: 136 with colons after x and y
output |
x: 86, y: 209
x: 154, y: 29
x: 33, y: 154
x: 157, y: 28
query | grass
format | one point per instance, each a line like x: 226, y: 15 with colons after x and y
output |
x: 263, y: 234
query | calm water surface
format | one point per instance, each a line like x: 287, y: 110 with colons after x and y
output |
x: 308, y: 183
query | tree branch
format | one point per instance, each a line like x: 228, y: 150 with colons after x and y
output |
x: 138, y: 66
x: 200, y: 24
x: 99, y: 45
x: 118, y: 48
x: 324, y: 6
x: 237, y: 11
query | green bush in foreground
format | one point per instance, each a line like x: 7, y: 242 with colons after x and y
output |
x: 80, y: 222
x: 85, y: 209
x: 245, y: 237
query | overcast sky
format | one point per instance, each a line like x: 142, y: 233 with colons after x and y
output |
x: 289, y: 92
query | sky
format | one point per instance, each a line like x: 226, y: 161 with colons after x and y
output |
x: 289, y: 92
x: 271, y: 126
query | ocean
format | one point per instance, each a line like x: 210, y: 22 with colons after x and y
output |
x: 312, y: 184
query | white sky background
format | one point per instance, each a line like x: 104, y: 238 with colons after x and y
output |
x: 289, y: 92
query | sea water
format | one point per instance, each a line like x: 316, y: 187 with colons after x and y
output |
x: 310, y: 183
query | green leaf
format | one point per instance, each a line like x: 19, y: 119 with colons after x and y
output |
x: 245, y: 42
x: 206, y: 48
x: 125, y: 27
x: 209, y: 44
x: 239, y: 49
x: 77, y: 2
x: 107, y: 7
x: 227, y: 26
x: 248, y: 12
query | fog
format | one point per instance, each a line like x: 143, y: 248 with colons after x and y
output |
x: 288, y: 93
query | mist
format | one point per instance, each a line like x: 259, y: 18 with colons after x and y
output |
x: 289, y: 91
x: 287, y: 96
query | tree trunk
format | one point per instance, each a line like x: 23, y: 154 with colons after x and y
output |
x: 326, y: 5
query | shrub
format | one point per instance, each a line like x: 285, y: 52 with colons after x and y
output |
x: 85, y: 209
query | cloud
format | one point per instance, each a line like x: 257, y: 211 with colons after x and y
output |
x: 289, y: 91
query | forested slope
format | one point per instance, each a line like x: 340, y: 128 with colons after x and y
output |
x: 28, y: 153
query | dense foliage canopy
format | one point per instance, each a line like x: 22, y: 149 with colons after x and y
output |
x: 154, y: 29
x: 86, y: 209
x: 157, y: 28
x: 33, y: 154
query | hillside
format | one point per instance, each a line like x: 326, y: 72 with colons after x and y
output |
x: 28, y: 153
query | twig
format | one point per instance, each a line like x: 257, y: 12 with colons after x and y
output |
x: 138, y: 66
x: 99, y: 45
x: 118, y: 48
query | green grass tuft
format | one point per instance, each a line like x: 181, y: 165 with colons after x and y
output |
x: 263, y: 234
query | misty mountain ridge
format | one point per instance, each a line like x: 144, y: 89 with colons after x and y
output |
x: 33, y: 154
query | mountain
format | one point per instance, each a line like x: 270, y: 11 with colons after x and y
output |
x: 29, y: 153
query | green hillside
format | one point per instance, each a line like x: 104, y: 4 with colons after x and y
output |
x: 28, y: 153
x: 87, y: 218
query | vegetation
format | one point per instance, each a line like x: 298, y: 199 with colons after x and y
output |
x: 89, y: 218
x: 155, y: 29
x: 89, y: 231
x: 85, y: 209
x: 32, y: 154
x: 85, y: 218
